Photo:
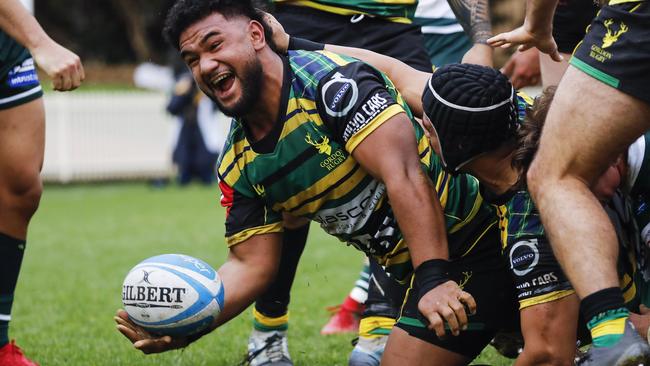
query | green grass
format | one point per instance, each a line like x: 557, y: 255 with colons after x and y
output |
x: 83, y: 241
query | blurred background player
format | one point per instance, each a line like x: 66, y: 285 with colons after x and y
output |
x: 385, y: 27
x: 601, y: 106
x: 22, y: 139
x: 191, y: 155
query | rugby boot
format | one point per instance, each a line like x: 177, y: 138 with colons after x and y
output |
x: 630, y: 350
x: 12, y: 355
x: 368, y: 351
x: 268, y: 348
x: 343, y: 320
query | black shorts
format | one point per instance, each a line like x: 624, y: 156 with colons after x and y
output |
x: 484, y: 275
x: 19, y: 84
x: 536, y: 272
x: 570, y: 22
x: 616, y: 49
x: 401, y: 41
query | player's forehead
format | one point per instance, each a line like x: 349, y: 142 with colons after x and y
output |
x: 212, y: 25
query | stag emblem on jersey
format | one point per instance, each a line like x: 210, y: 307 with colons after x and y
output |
x: 259, y: 189
x: 611, y: 37
x: 466, y: 276
x: 323, y: 146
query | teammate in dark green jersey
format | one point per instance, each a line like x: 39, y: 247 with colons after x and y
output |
x: 22, y: 140
x: 307, y: 139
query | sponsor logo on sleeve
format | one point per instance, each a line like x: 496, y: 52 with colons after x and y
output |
x: 372, y: 107
x: 340, y: 94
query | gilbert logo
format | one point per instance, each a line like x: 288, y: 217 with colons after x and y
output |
x: 611, y: 38
x: 323, y: 146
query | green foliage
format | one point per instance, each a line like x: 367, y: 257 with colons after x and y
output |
x: 83, y: 241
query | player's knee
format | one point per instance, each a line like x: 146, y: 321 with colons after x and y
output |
x: 22, y: 194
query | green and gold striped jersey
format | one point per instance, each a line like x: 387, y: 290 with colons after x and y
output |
x: 401, y: 11
x: 330, y: 104
x: 10, y: 52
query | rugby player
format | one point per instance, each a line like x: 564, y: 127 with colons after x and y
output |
x: 311, y: 150
x: 384, y: 27
x: 22, y: 140
x: 601, y: 106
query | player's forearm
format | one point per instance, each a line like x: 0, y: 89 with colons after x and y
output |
x: 539, y: 16
x: 474, y: 17
x: 408, y: 81
x: 18, y: 23
x: 419, y: 215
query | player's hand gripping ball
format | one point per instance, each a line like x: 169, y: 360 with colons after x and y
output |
x: 172, y: 294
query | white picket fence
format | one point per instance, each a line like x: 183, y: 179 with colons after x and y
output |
x: 107, y: 136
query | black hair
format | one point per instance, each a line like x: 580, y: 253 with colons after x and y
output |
x: 184, y: 13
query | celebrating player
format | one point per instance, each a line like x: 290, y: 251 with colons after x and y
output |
x: 22, y: 140
x: 311, y: 150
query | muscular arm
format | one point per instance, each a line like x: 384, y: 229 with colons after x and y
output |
x: 409, y: 81
x: 474, y: 17
x: 250, y: 267
x: 410, y: 192
x: 63, y: 66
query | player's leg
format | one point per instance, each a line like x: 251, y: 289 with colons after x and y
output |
x: 403, y: 349
x: 385, y: 298
x: 345, y: 318
x: 22, y: 130
x: 271, y: 311
x: 592, y: 119
x: 549, y: 331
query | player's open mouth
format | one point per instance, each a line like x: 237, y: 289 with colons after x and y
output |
x: 223, y: 82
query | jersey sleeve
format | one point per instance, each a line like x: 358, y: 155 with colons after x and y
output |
x: 246, y: 216
x: 353, y: 101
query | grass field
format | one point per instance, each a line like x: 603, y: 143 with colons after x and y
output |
x: 83, y: 241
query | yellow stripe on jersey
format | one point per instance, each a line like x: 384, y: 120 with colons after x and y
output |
x: 478, y: 239
x: 503, y: 225
x: 477, y: 205
x: 258, y: 230
x: 443, y: 192
x: 384, y: 116
x: 229, y: 158
x: 334, y: 57
x: 630, y: 293
x: 321, y: 185
x: 346, y: 11
x: 617, y: 2
x: 423, y: 145
x: 541, y: 299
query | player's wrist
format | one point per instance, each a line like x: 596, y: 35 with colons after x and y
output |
x: 430, y: 274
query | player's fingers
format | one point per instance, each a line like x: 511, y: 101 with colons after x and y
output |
x: 518, y: 81
x: 469, y: 301
x: 436, y: 324
x: 129, y: 333
x: 497, y: 40
x: 555, y: 55
x: 459, y: 311
x: 450, y: 317
x: 156, y: 345
x: 76, y: 79
x: 506, y: 45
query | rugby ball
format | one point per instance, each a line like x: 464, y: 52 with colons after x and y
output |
x: 172, y: 294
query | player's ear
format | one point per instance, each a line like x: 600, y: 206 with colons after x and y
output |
x: 256, y: 33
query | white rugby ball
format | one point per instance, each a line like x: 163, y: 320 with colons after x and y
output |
x: 172, y: 294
